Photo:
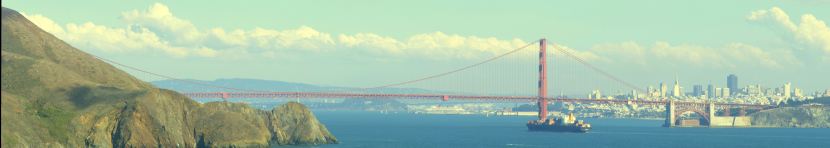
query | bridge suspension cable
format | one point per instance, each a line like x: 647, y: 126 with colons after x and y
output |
x: 594, y: 68
x: 177, y: 79
x: 456, y: 70
x: 366, y: 88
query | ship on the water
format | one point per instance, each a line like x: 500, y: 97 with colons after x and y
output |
x: 558, y: 124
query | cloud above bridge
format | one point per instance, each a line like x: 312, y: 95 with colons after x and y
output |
x: 728, y: 56
x: 157, y: 29
x: 811, y: 33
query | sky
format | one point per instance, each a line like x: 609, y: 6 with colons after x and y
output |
x: 364, y: 43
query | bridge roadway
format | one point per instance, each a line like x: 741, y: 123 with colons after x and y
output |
x: 229, y: 95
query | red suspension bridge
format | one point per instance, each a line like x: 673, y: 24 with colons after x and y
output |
x: 541, y: 98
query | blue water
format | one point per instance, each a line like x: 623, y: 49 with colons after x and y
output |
x: 371, y: 129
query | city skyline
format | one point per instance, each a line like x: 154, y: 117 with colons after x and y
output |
x: 783, y: 92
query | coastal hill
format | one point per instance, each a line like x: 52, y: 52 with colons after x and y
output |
x: 54, y: 95
x: 813, y: 113
x: 800, y: 117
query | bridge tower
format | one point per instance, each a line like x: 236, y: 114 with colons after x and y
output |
x: 543, y: 81
x: 225, y: 96
x: 669, y: 113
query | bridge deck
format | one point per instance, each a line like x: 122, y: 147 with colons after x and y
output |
x: 310, y: 95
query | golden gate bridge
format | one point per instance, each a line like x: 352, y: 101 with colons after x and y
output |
x: 674, y: 108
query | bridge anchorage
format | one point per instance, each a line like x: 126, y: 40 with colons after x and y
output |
x: 706, y: 115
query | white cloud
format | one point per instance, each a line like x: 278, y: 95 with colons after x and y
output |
x: 810, y: 33
x: 441, y: 44
x: 159, y: 19
x: 219, y: 37
x: 373, y: 43
x: 97, y: 37
x: 728, y: 56
x: 304, y: 37
x: 775, y: 16
x: 589, y: 56
x: 625, y: 51
x: 45, y: 23
x: 157, y: 29
x: 205, y: 52
x: 744, y: 54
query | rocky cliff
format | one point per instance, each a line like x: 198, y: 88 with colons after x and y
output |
x: 54, y: 95
x: 802, y: 116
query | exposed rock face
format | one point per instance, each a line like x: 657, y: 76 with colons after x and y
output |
x: 289, y: 124
x: 802, y: 117
x: 293, y: 123
x: 54, y: 95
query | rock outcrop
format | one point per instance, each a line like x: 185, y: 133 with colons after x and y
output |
x: 54, y: 95
x: 817, y: 116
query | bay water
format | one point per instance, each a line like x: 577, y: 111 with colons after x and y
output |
x: 359, y: 129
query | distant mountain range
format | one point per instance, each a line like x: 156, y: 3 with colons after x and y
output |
x: 270, y: 85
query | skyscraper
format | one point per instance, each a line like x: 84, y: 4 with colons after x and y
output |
x: 675, y: 92
x: 634, y: 94
x: 797, y: 92
x: 651, y: 91
x: 732, y: 83
x: 787, y: 90
x: 697, y: 90
x: 662, y: 89
x: 726, y: 92
x: 711, y: 91
x: 754, y: 90
x: 595, y: 95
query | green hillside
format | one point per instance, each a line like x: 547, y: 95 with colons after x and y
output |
x: 54, y: 95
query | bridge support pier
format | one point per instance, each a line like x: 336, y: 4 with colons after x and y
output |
x: 727, y: 111
x: 669, y: 114
x: 742, y: 112
x: 711, y: 109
